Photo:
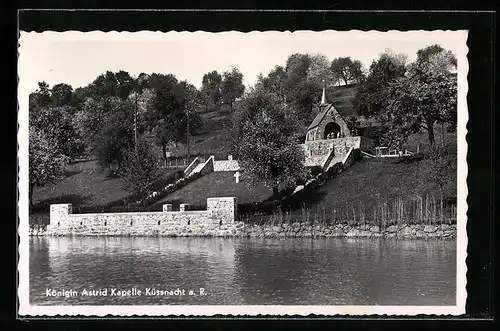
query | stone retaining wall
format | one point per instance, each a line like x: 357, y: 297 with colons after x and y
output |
x: 202, y: 225
x: 341, y: 146
x: 218, y: 220
x: 302, y: 230
x: 226, y: 165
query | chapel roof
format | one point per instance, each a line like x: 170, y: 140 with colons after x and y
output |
x: 319, y: 117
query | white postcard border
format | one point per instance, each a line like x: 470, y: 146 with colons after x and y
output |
x: 26, y: 309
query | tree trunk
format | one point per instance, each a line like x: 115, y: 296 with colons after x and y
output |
x: 164, y: 154
x: 442, y: 134
x: 187, y: 138
x: 135, y: 123
x: 430, y: 133
x: 276, y: 191
x: 442, y: 204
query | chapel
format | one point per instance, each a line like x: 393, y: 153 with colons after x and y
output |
x: 328, y: 123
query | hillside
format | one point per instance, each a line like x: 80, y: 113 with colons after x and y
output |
x: 214, y: 134
x: 217, y: 184
x: 342, y: 99
x: 84, y: 186
x: 372, y: 181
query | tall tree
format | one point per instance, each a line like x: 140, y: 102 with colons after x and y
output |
x: 57, y: 124
x: 357, y: 74
x: 232, y: 86
x: 116, y: 136
x: 341, y: 69
x: 140, y: 168
x: 169, y: 110
x: 211, y: 90
x: 372, y: 96
x: 62, y: 95
x: 319, y: 70
x: 104, y: 85
x: 47, y: 163
x: 268, y: 149
x: 275, y: 82
x: 125, y: 84
x: 301, y: 92
x: 426, y: 95
x: 41, y: 97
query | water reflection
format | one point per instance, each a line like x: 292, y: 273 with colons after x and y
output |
x: 245, y: 271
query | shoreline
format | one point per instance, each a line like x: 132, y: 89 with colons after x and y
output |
x: 285, y: 231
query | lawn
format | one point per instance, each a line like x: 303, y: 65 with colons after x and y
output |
x: 85, y: 185
x: 217, y: 184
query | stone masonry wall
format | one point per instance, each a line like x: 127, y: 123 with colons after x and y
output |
x: 303, y: 230
x: 180, y: 228
x: 323, y: 147
x: 218, y: 220
x: 226, y: 165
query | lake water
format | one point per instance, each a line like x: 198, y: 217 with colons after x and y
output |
x: 241, y: 271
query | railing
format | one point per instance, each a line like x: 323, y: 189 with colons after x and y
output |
x: 191, y: 166
x: 386, y: 152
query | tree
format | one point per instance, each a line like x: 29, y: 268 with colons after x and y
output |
x: 41, y: 97
x: 140, y: 168
x: 439, y: 163
x: 232, y: 86
x: 104, y: 86
x: 115, y: 136
x: 46, y: 162
x: 373, y: 94
x: 347, y: 70
x: 62, y: 95
x: 357, y: 73
x: 426, y: 95
x: 211, y: 90
x: 268, y: 149
x: 169, y: 113
x: 125, y: 84
x: 319, y: 70
x: 89, y: 121
x: 275, y: 82
x: 301, y: 92
x: 353, y: 124
x: 57, y: 124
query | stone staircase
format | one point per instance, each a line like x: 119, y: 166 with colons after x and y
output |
x: 336, y: 159
x: 197, y: 168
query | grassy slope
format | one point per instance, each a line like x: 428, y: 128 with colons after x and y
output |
x: 85, y: 185
x: 372, y: 181
x: 217, y: 184
x: 342, y: 97
x: 212, y: 138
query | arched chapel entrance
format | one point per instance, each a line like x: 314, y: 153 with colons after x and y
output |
x: 332, y: 130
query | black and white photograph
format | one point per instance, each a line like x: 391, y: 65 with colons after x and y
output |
x: 242, y: 173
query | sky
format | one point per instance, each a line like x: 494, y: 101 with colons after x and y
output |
x: 77, y: 58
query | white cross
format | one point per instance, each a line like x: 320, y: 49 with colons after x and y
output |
x: 237, y: 176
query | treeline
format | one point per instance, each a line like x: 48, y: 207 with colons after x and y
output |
x: 407, y: 98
